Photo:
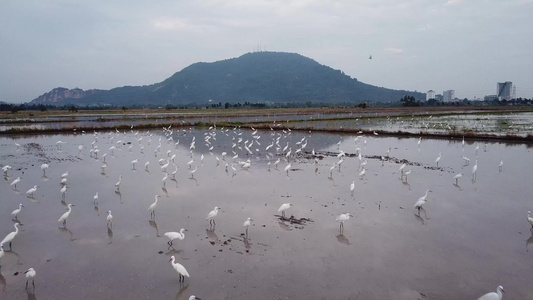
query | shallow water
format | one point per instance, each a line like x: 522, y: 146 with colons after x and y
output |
x: 470, y: 238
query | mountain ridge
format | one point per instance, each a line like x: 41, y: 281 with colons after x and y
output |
x: 256, y: 77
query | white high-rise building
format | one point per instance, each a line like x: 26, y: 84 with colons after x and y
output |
x: 430, y: 95
x: 505, y: 90
x: 448, y: 96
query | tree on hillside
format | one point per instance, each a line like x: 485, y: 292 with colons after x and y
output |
x: 410, y: 101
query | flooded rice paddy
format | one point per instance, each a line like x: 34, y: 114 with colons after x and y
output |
x: 471, y: 236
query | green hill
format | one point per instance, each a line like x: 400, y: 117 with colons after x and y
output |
x: 259, y: 77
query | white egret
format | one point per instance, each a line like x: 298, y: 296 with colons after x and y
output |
x: 500, y: 166
x: 30, y: 274
x: 146, y: 165
x: 164, y: 180
x: 17, y: 211
x: 109, y: 219
x: 64, y: 217
x: 283, y: 208
x: 438, y: 159
x: 11, y: 236
x: 456, y: 177
x: 172, y: 235
x: 530, y: 219
x: 5, y: 169
x: 174, y: 172
x: 30, y: 192
x: 95, y: 198
x: 467, y: 160
x: 421, y: 201
x: 352, y: 187
x: 341, y: 218
x: 402, y: 167
x: 1, y: 253
x: 63, y: 191
x: 474, y: 171
x: 44, y: 167
x: 64, y: 175
x: 493, y: 295
x: 211, y: 216
x: 362, y: 173
x: 64, y: 181
x: 133, y: 162
x: 287, y: 169
x: 152, y: 207
x: 117, y: 185
x: 14, y: 182
x: 182, y: 272
x: 247, y: 224
x: 194, y: 171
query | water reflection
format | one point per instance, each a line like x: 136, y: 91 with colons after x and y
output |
x: 182, y: 292
x: 31, y: 294
x: 119, y: 194
x: 343, y: 239
x: 110, y: 235
x: 529, y: 241
x: 66, y: 230
x: 3, y: 282
x: 284, y: 226
x: 11, y: 252
x: 153, y: 224
x: 212, y: 235
x: 247, y: 243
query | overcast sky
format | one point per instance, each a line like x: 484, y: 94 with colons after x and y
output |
x: 465, y: 45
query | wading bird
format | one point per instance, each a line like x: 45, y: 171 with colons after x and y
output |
x: 341, y: 218
x: 152, y: 207
x: 172, y: 235
x: 182, y: 272
x: 493, y: 295
x: 30, y: 274
x: 211, y: 216
x: 109, y: 219
x: 11, y: 236
x: 283, y: 208
x: 64, y: 217
x: 247, y: 224
x: 17, y: 211
x: 421, y: 201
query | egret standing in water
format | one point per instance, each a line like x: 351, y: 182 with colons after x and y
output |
x: 247, y: 224
x: 438, y: 159
x: 456, y: 177
x: 182, y: 272
x: 421, y: 201
x: 17, y: 211
x: 109, y: 220
x: 95, y: 199
x: 474, y: 171
x: 283, y: 208
x: 172, y: 235
x: 44, y: 167
x: 287, y: 169
x: 1, y: 253
x: 211, y: 216
x: 152, y: 207
x: 17, y: 180
x: 30, y: 192
x: 64, y: 217
x: 530, y: 219
x: 341, y: 218
x: 352, y: 187
x: 11, y: 236
x: 493, y: 295
x: 30, y: 274
x: 117, y: 185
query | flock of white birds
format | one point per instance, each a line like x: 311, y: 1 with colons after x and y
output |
x: 276, y: 151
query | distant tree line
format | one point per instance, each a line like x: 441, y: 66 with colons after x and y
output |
x: 406, y: 101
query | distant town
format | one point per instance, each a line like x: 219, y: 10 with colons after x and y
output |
x: 504, y: 91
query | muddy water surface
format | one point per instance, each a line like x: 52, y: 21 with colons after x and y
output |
x: 470, y: 237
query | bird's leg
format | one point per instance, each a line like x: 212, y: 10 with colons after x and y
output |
x: 27, y: 283
x: 33, y: 283
x: 419, y: 211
